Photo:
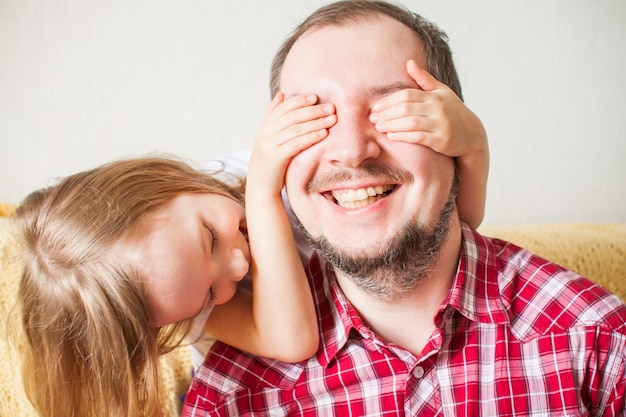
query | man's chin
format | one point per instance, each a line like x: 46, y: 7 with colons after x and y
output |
x: 345, y: 256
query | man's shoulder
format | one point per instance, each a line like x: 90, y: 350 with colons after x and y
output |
x: 227, y: 370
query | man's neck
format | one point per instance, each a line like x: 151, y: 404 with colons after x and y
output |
x: 408, y: 322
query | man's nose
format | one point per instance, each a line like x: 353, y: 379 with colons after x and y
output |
x: 353, y: 139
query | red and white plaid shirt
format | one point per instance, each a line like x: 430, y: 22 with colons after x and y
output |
x: 516, y: 336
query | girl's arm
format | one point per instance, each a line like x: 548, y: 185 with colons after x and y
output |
x: 278, y: 319
x: 434, y: 116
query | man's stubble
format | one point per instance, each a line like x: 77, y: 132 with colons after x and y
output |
x: 408, y: 258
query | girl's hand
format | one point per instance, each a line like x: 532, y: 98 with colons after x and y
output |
x: 432, y: 115
x: 289, y: 126
x: 258, y: 322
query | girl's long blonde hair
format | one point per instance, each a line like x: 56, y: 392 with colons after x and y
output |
x: 90, y: 348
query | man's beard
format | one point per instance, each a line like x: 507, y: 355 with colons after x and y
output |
x: 409, y: 257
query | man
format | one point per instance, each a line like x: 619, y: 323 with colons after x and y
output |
x: 418, y: 314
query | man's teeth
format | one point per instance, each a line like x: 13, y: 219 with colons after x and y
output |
x: 360, y: 197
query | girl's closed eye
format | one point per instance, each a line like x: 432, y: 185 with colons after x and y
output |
x: 212, y: 296
x: 213, y: 237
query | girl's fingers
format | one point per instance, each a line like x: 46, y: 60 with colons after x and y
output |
x: 302, y: 142
x: 284, y: 106
x: 407, y: 124
x: 282, y: 126
x: 409, y: 95
x: 301, y: 115
x: 405, y: 109
x: 423, y: 78
x: 297, y: 118
x: 419, y: 137
x: 294, y: 132
x: 278, y: 98
x: 424, y: 93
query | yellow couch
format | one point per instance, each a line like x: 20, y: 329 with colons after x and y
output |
x: 597, y: 251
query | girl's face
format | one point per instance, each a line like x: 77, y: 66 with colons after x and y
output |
x: 196, y: 255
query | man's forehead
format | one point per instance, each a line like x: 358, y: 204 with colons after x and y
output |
x: 369, y: 54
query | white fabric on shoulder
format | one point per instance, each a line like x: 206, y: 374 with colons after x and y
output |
x: 228, y: 166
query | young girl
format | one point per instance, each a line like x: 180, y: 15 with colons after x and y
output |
x: 118, y: 258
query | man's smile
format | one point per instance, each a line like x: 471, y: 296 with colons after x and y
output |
x: 361, y: 197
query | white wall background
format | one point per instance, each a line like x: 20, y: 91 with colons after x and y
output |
x: 84, y: 82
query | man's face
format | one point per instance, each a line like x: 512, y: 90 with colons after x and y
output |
x: 328, y: 184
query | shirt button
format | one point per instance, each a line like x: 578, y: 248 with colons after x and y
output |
x: 418, y: 372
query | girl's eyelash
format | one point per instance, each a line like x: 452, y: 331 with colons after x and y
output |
x: 213, y: 236
x: 212, y: 296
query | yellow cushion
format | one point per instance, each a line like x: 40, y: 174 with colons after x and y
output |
x: 13, y: 400
x: 7, y: 210
x: 594, y: 250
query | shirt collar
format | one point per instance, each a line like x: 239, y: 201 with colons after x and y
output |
x: 475, y: 292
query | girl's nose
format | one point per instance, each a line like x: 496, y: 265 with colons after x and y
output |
x: 239, y: 264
